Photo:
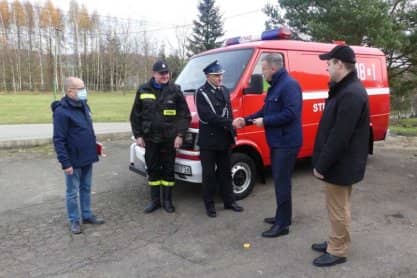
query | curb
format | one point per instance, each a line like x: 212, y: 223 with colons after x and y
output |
x: 29, y: 143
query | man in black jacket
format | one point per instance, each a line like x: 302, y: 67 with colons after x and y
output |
x: 216, y: 136
x: 341, y: 149
x: 159, y: 119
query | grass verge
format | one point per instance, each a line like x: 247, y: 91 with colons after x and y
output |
x: 28, y: 108
x: 404, y: 127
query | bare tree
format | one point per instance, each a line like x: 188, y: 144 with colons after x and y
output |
x: 30, y: 25
x: 39, y: 45
x: 5, y: 23
x: 84, y: 24
x: 19, y: 22
x: 74, y: 20
x: 51, y: 22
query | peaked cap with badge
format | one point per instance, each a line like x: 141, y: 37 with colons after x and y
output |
x: 160, y: 66
x: 213, y: 68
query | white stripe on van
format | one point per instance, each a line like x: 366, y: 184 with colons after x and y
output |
x: 314, y: 95
x: 323, y: 94
x: 378, y: 91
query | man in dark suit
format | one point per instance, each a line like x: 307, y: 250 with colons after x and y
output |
x: 216, y: 136
x: 281, y: 118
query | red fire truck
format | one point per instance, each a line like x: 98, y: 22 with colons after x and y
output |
x: 241, y: 59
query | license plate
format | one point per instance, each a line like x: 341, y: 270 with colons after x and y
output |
x: 183, y: 169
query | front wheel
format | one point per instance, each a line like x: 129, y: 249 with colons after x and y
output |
x: 243, y: 175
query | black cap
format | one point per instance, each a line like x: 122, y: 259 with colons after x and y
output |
x: 213, y: 68
x: 160, y: 66
x: 341, y: 52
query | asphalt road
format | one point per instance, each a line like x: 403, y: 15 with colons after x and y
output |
x: 35, y: 241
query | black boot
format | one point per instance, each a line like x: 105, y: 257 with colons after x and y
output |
x: 155, y: 200
x: 167, y: 199
x: 210, y: 209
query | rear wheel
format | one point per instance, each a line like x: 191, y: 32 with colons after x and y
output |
x: 243, y: 175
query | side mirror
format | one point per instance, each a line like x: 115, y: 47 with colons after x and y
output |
x: 256, y: 85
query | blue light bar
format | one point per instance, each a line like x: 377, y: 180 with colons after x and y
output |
x: 232, y: 41
x: 273, y: 34
x: 278, y: 33
x: 269, y: 34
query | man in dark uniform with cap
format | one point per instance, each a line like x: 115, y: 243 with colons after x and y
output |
x: 159, y: 119
x: 216, y: 136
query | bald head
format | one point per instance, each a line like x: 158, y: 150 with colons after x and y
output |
x: 72, y: 85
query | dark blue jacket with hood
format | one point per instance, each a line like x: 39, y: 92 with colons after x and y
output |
x: 74, y: 138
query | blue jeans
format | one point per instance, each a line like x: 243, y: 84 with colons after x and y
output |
x: 79, y: 183
x: 283, y: 161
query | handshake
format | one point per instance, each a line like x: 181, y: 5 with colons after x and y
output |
x: 240, y: 122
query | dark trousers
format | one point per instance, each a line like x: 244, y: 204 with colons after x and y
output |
x: 160, y: 161
x: 216, y: 171
x: 283, y: 161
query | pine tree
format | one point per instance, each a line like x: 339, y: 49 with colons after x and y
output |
x: 207, y: 28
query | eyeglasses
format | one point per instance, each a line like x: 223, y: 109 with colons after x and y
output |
x: 78, y: 88
x: 163, y: 72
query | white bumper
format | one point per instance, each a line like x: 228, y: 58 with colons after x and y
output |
x: 185, y: 169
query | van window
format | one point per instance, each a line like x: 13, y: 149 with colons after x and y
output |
x: 258, y: 68
x: 233, y: 62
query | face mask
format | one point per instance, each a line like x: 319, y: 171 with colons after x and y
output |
x: 82, y: 94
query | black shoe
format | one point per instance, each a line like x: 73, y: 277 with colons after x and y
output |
x: 276, y: 231
x: 328, y: 260
x: 233, y: 206
x: 270, y: 220
x: 211, y: 211
x: 94, y: 220
x: 75, y: 228
x: 319, y: 247
x: 152, y: 207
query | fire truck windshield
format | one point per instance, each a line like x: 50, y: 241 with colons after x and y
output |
x: 233, y: 62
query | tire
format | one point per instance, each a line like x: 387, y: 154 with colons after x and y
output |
x: 243, y: 175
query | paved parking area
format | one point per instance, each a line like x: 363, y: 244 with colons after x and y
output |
x: 35, y: 241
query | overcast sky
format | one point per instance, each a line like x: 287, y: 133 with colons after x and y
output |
x: 240, y: 17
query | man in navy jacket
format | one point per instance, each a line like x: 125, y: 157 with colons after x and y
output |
x: 281, y: 118
x: 75, y: 146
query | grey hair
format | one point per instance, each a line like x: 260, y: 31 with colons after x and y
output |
x: 274, y: 60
